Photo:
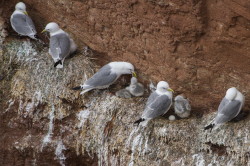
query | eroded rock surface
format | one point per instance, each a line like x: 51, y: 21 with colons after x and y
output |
x: 200, y: 47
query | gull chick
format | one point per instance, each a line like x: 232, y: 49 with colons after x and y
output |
x: 182, y: 107
x: 159, y: 102
x: 60, y: 45
x: 229, y: 107
x: 123, y: 93
x: 135, y: 88
x: 106, y: 76
x: 21, y: 22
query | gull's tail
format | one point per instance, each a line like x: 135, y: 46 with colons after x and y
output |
x: 57, y: 63
x: 36, y: 37
x: 82, y: 87
x: 33, y: 36
x: 139, y: 121
x: 210, y: 126
x: 86, y: 90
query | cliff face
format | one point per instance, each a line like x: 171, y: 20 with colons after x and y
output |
x: 200, y: 47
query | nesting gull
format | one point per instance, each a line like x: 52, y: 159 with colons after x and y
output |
x: 135, y: 88
x: 158, y: 102
x: 182, y: 107
x: 106, y: 76
x: 229, y: 107
x: 61, y: 45
x: 21, y: 22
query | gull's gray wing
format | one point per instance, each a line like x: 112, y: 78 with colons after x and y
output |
x: 227, y: 111
x: 30, y: 24
x: 151, y: 98
x: 223, y: 102
x: 157, y: 107
x: 59, y: 46
x: 23, y: 24
x: 102, y: 78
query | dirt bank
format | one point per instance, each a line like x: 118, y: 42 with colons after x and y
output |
x: 200, y: 47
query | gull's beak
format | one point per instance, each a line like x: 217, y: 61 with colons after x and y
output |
x: 134, y: 74
x: 171, y: 90
x: 43, y: 31
x: 26, y: 13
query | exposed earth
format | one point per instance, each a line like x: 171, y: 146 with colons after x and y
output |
x: 200, y: 47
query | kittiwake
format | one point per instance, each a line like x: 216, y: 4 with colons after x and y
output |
x: 106, y: 76
x: 135, y: 88
x: 61, y: 45
x: 229, y: 107
x: 159, y: 102
x: 182, y: 107
x: 21, y: 22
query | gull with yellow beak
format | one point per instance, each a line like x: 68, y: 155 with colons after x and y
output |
x: 159, y: 102
x: 61, y: 45
x: 106, y: 76
x: 21, y: 22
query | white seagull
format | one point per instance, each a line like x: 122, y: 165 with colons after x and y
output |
x: 21, y: 22
x: 159, y: 102
x: 106, y: 76
x: 229, y: 107
x: 61, y: 45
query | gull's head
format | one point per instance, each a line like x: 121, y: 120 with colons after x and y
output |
x: 133, y: 80
x: 123, y: 68
x: 163, y: 86
x: 20, y: 6
x: 179, y: 97
x: 231, y: 93
x: 51, y: 27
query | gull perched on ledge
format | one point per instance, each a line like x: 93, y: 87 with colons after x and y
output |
x: 60, y: 45
x: 229, y: 107
x: 159, y: 102
x: 106, y: 76
x: 21, y: 22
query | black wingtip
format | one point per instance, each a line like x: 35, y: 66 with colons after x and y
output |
x: 57, y: 63
x: 211, y: 126
x: 139, y: 121
x: 77, y: 88
x: 36, y: 36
